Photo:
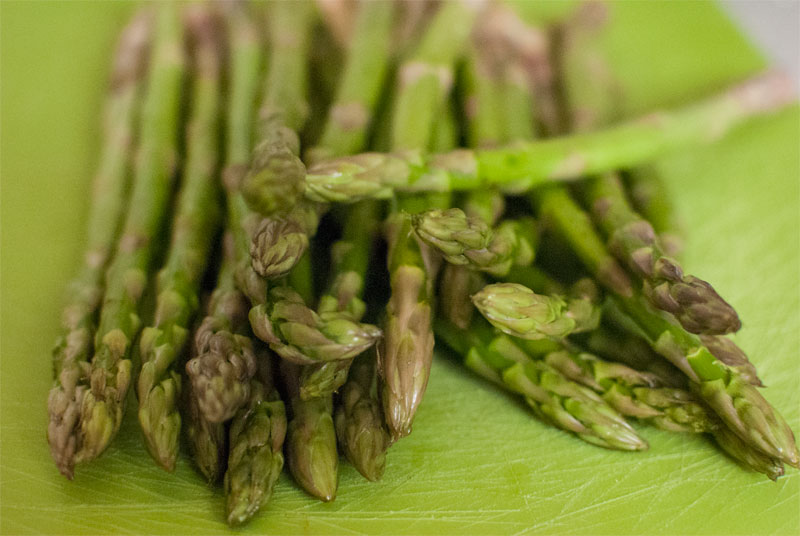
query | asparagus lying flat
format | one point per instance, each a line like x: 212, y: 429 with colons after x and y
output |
x: 110, y: 374
x: 518, y: 311
x: 554, y: 398
x: 526, y: 165
x: 632, y: 239
x: 73, y: 348
x: 256, y: 440
x: 194, y: 228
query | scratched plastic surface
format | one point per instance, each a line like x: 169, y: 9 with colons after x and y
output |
x: 477, y: 462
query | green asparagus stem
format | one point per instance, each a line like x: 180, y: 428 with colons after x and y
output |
x: 302, y: 336
x: 524, y: 165
x: 109, y: 192
x: 223, y: 361
x: 552, y: 397
x: 726, y: 351
x: 223, y: 364
x: 311, y: 439
x: 359, y: 423
x: 255, y: 461
x: 470, y: 241
x: 651, y: 199
x: 695, y: 304
x: 196, y: 221
x: 424, y: 80
x: 518, y: 311
x: 274, y: 181
x: 363, y: 78
x: 157, y: 159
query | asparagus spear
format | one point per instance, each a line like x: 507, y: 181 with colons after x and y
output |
x: 470, y: 241
x: 73, y: 348
x: 362, y: 80
x: 196, y: 221
x: 359, y: 423
x: 632, y: 393
x: 518, y: 311
x: 274, y: 181
x: 424, y: 79
x: 223, y: 361
x: 110, y: 372
x: 208, y: 441
x: 257, y: 434
x: 350, y: 260
x: 552, y: 397
x: 525, y: 165
x: 651, y: 199
x: 311, y: 439
x: 695, y: 304
x: 223, y: 365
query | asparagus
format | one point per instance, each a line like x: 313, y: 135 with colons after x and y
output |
x: 196, y: 220
x: 632, y: 393
x: 255, y: 461
x: 651, y: 199
x: 726, y: 351
x: 311, y: 439
x: 738, y: 404
x: 518, y: 311
x: 223, y: 361
x: 362, y: 80
x: 274, y: 181
x: 552, y: 397
x: 222, y: 366
x: 695, y: 304
x: 110, y: 371
x: 350, y: 262
x: 522, y: 166
x: 470, y: 241
x: 73, y: 348
x: 424, y: 79
x: 359, y: 423
x: 208, y: 441
x: 302, y: 336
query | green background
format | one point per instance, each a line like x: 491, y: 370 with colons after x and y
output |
x: 477, y: 462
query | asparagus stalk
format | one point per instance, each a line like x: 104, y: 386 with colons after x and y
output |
x: 695, y: 304
x: 363, y: 78
x: 222, y: 365
x: 311, y: 439
x: 255, y: 461
x: 157, y: 158
x: 424, y: 79
x: 517, y: 310
x: 632, y: 393
x: 350, y: 260
x: 522, y: 166
x: 196, y: 221
x: 552, y: 397
x: 208, y: 441
x: 274, y: 181
x: 109, y: 192
x: 223, y: 361
x: 650, y: 198
x: 359, y: 422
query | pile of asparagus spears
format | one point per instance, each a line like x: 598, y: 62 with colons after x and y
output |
x: 299, y: 283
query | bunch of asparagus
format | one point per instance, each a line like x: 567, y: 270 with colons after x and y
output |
x: 233, y: 110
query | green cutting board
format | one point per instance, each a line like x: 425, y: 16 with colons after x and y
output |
x: 477, y: 462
